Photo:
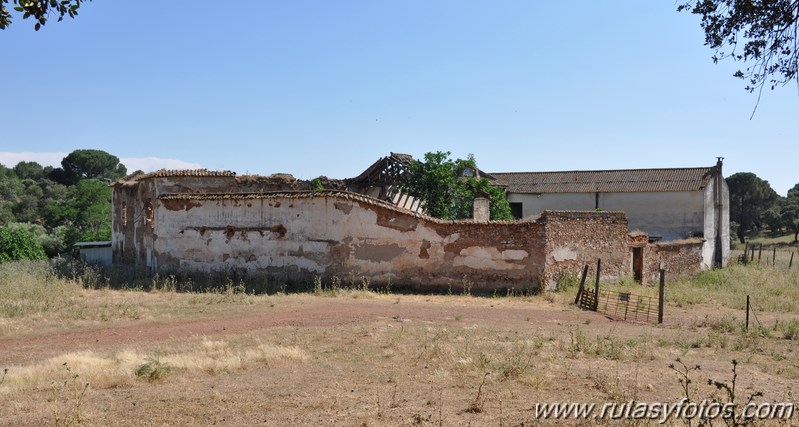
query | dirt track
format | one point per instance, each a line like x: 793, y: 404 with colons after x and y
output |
x: 317, y: 312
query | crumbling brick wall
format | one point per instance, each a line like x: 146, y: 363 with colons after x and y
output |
x: 681, y: 258
x: 576, y: 238
x: 173, y: 221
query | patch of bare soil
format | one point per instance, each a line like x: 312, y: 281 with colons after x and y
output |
x: 378, y: 360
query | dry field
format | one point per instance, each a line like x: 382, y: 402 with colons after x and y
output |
x: 102, y: 357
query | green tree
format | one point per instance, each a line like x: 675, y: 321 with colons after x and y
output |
x: 17, y: 244
x: 88, y: 164
x: 447, y: 187
x: 86, y: 212
x: 789, y: 211
x: 750, y: 198
x: 53, y: 242
x: 29, y: 170
x: 761, y: 33
x: 10, y: 190
x: 39, y: 10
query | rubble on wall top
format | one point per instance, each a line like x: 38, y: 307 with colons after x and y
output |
x: 187, y: 172
x: 344, y: 195
x: 583, y: 214
x: 139, y: 175
x: 687, y: 241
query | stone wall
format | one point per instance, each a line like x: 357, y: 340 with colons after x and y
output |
x: 343, y: 235
x: 679, y: 258
x: 576, y: 238
x: 170, y: 223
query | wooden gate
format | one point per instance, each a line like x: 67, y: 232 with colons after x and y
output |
x: 623, y: 306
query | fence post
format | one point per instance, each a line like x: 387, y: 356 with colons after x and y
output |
x: 752, y: 258
x: 790, y: 263
x: 774, y: 258
x: 759, y: 253
x: 582, y: 285
x: 745, y: 258
x: 661, y: 295
x: 747, y: 312
x: 596, y: 285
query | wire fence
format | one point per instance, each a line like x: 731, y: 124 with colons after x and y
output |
x: 779, y: 257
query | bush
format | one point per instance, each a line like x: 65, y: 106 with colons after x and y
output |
x: 17, y: 244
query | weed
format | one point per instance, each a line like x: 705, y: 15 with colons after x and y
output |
x: 467, y: 286
x: 152, y: 370
x: 728, y: 388
x: 68, y: 399
x: 788, y: 330
x: 517, y: 361
x: 317, y: 285
x: 476, y: 406
x: 578, y: 343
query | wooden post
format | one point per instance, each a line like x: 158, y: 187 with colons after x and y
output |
x: 596, y: 285
x: 747, y: 312
x: 752, y: 258
x: 661, y: 295
x: 774, y: 257
x: 745, y: 258
x: 790, y: 263
x: 582, y: 285
x: 759, y: 253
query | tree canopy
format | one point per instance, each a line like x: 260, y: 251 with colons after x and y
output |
x: 761, y: 33
x: 447, y: 192
x: 58, y: 215
x: 750, y: 200
x: 39, y: 10
x: 88, y: 164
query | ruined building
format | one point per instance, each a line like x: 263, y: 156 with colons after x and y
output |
x: 216, y: 221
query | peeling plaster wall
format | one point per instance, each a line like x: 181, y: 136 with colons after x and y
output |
x: 327, y: 236
x: 176, y: 223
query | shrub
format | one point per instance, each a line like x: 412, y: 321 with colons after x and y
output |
x: 17, y: 244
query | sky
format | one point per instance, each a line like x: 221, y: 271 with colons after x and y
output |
x: 328, y: 87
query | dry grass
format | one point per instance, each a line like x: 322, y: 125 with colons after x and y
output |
x: 118, y: 369
x: 431, y: 360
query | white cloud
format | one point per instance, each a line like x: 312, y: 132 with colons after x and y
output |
x: 149, y: 164
x: 50, y: 158
x: 46, y: 158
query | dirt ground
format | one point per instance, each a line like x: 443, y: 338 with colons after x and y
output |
x: 373, y: 359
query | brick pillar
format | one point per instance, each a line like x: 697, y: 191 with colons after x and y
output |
x: 482, y: 209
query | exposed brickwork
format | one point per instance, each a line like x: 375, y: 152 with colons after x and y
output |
x: 576, y: 238
x: 275, y: 226
x: 679, y: 259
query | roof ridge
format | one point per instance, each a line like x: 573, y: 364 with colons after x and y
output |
x: 603, y: 170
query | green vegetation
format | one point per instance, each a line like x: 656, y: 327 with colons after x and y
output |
x: 152, y: 369
x: 39, y: 10
x: 755, y: 206
x: 448, y: 187
x: 17, y: 244
x: 60, y: 206
x: 760, y: 33
x: 770, y: 289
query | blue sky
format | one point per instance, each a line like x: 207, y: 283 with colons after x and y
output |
x: 326, y: 87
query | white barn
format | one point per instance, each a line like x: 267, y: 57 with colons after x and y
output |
x: 668, y: 204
